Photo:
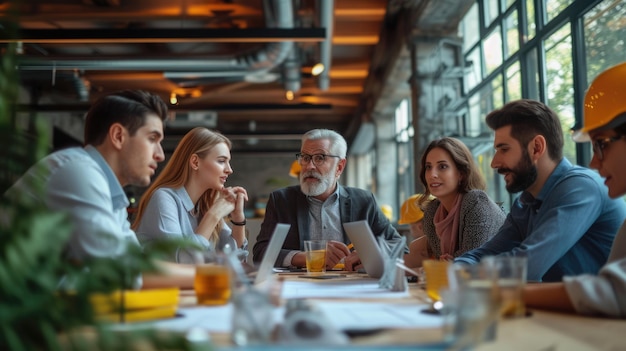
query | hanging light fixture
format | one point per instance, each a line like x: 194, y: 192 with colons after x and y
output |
x: 173, y: 99
x: 317, y: 69
x: 289, y: 95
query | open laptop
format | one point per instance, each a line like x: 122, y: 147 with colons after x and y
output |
x: 365, y: 244
x: 271, y: 253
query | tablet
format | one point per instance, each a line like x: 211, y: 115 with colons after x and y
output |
x: 365, y: 244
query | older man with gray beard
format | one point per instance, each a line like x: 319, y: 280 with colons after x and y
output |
x: 317, y: 208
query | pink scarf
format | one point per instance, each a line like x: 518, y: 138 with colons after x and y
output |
x: 447, y: 226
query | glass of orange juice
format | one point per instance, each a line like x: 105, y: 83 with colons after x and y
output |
x: 436, y: 274
x: 315, y: 256
x: 212, y: 283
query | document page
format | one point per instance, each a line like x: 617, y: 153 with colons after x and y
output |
x: 348, y: 289
x: 348, y: 315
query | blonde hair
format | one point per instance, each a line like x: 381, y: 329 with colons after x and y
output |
x: 199, y: 141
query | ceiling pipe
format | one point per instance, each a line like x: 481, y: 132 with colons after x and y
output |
x: 82, y: 87
x: 326, y: 21
x: 291, y: 66
x: 259, y: 62
x: 292, y: 76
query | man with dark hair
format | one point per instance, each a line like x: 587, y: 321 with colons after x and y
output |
x: 123, y: 134
x: 604, y: 117
x: 564, y: 220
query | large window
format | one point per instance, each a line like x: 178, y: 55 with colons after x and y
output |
x: 404, y: 141
x: 605, y: 36
x: 560, y: 82
x: 539, y: 49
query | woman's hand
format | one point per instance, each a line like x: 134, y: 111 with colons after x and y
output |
x: 238, y: 195
x: 225, y: 203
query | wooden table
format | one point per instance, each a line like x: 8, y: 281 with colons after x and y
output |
x: 543, y: 330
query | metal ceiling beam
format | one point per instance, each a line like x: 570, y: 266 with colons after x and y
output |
x: 199, y: 107
x: 165, y: 35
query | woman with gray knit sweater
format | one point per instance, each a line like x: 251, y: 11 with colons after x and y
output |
x: 462, y: 217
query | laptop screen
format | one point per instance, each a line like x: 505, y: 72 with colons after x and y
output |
x: 272, y: 251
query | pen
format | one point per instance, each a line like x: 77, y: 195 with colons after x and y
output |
x: 351, y: 246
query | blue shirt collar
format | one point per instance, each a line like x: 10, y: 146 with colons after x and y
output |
x: 118, y: 196
x: 559, y: 171
x: 186, y: 199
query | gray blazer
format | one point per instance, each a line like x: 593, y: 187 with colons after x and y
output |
x: 480, y: 220
x: 289, y: 205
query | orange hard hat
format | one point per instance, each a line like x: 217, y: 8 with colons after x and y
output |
x: 295, y: 169
x: 410, y: 211
x: 605, y: 103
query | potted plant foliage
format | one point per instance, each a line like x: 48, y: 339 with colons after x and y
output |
x: 34, y: 313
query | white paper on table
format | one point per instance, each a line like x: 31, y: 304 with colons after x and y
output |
x: 215, y: 319
x: 348, y: 289
x: 347, y: 315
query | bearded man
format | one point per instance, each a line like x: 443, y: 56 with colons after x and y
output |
x: 563, y: 221
x: 317, y: 208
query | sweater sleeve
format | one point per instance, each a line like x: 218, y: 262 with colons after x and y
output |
x: 480, y: 218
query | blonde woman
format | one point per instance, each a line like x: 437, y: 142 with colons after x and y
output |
x: 189, y: 200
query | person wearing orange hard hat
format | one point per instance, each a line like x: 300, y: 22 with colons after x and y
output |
x: 295, y: 169
x: 412, y: 214
x: 604, y: 125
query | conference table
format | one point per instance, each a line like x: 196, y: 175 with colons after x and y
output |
x: 541, y: 330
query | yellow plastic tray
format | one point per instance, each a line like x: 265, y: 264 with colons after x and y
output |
x: 140, y: 315
x: 135, y: 300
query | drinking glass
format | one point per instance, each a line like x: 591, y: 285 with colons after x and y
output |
x: 511, y: 281
x: 315, y: 256
x: 436, y: 274
x: 213, y: 281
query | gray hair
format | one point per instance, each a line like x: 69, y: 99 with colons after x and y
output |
x: 338, y: 145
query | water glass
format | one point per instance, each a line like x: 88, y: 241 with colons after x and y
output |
x: 511, y: 281
x: 253, y: 317
x: 470, y: 316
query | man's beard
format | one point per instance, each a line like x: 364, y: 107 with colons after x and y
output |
x: 524, y: 174
x: 325, y: 181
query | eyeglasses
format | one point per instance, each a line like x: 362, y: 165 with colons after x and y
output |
x: 599, y: 144
x: 318, y: 159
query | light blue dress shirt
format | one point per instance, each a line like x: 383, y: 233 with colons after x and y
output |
x: 80, y: 182
x: 170, y: 214
x: 567, y: 230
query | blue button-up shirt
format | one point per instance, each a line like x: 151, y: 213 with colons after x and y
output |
x: 80, y: 182
x: 567, y: 229
x: 170, y: 214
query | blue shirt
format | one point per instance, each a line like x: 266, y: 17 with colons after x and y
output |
x: 567, y: 230
x: 170, y: 214
x: 81, y: 183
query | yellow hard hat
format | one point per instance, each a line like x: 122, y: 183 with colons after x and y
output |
x: 295, y: 169
x: 410, y: 211
x: 387, y: 211
x: 605, y: 104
